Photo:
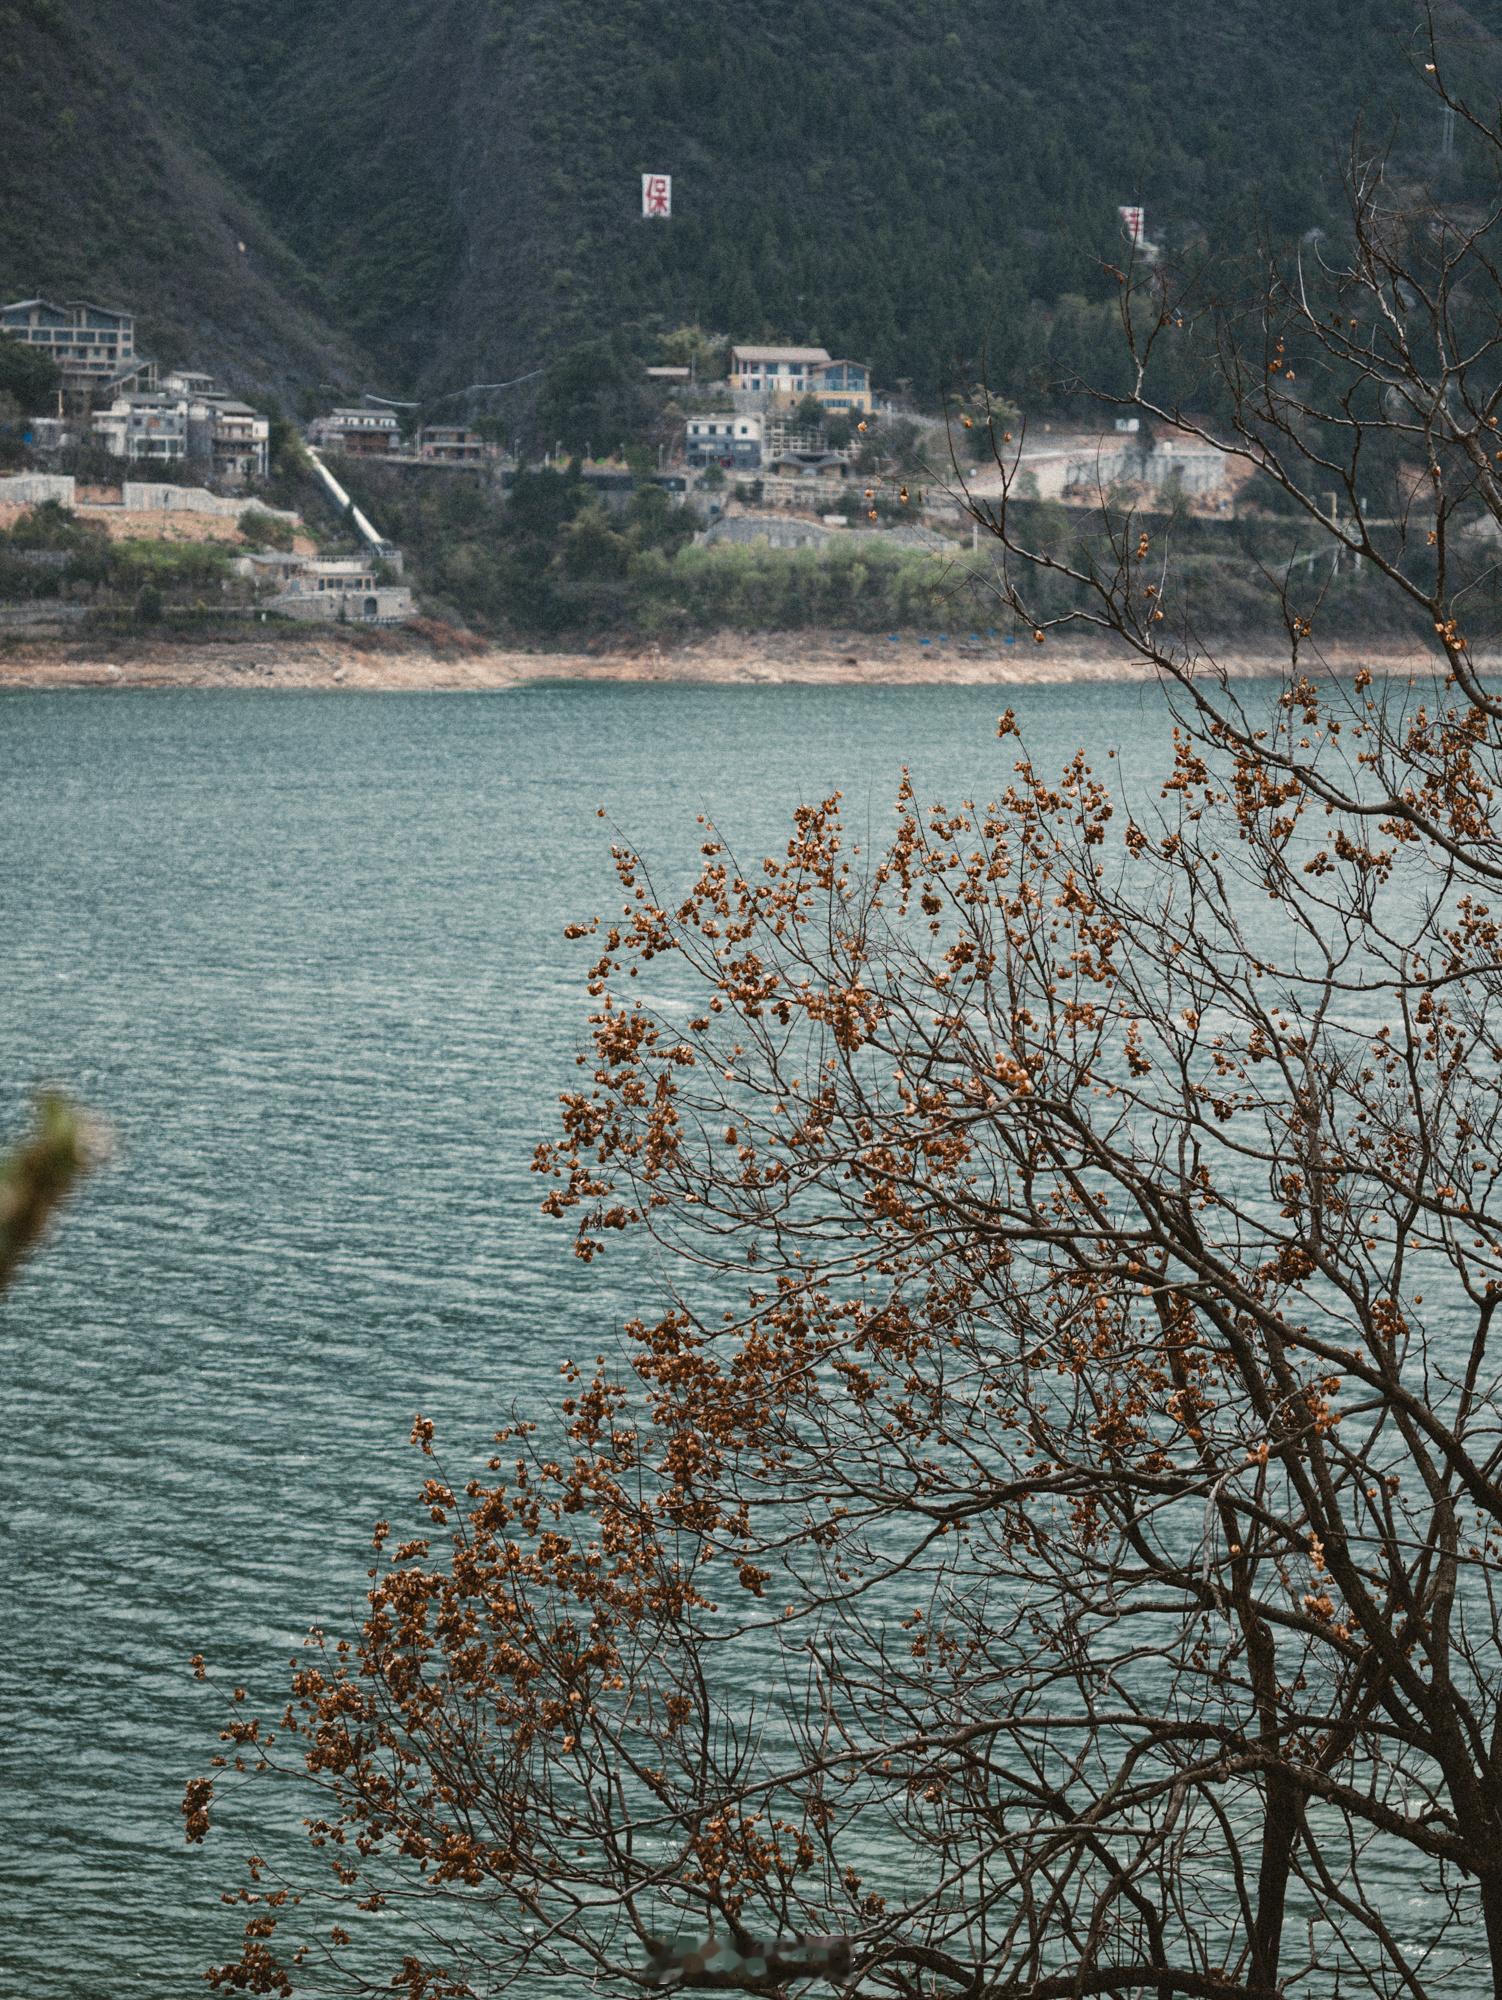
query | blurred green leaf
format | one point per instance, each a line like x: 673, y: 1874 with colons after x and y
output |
x: 38, y: 1176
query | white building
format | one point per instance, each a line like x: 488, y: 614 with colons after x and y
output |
x: 724, y: 437
x: 150, y: 429
x: 346, y: 592
x: 185, y: 423
x: 777, y: 371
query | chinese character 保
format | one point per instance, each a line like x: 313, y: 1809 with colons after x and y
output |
x: 656, y: 194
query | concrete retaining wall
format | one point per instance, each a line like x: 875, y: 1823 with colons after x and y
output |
x: 141, y: 496
x: 393, y: 606
x: 137, y: 496
x: 30, y: 489
x: 45, y: 615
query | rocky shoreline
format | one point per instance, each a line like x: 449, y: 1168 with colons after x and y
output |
x: 391, y: 662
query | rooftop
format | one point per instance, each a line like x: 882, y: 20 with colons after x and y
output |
x: 65, y: 305
x: 820, y: 354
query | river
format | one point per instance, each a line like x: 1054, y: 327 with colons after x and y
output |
x: 305, y: 954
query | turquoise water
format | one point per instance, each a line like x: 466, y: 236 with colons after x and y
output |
x: 305, y: 953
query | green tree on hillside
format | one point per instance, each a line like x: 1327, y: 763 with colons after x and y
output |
x: 29, y: 378
x: 692, y: 347
x: 595, y: 395
x: 591, y: 548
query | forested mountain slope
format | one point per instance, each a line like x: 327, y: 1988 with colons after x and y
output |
x: 890, y: 177
x: 105, y: 190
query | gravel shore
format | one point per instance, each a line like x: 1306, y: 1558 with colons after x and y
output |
x: 390, y: 661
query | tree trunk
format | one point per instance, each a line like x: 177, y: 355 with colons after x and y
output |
x: 1281, y: 1817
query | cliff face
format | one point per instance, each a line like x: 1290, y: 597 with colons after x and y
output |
x: 450, y: 187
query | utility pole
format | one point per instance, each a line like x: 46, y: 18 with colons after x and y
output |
x: 1447, y: 132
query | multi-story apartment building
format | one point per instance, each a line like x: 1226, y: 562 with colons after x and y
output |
x: 152, y: 429
x: 94, y: 346
x: 186, y: 424
x: 238, y: 439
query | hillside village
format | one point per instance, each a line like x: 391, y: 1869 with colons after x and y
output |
x: 786, y: 448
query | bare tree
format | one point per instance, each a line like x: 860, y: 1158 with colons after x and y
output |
x: 1047, y: 1544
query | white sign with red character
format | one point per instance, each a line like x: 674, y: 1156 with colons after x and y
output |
x: 1132, y: 222
x: 657, y: 194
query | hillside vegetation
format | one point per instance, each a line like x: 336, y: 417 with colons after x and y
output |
x: 106, y: 191
x: 451, y: 185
